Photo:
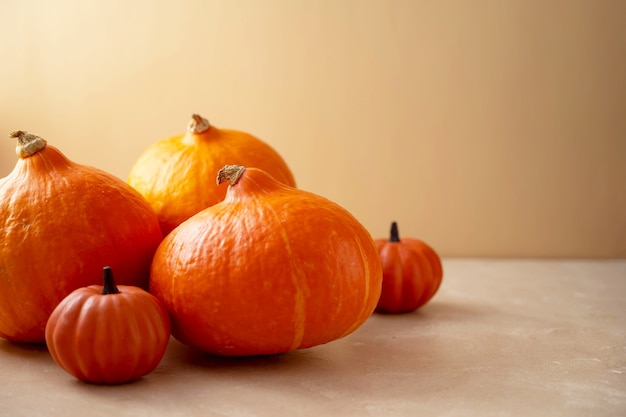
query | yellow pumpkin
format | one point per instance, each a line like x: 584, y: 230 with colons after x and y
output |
x: 176, y: 175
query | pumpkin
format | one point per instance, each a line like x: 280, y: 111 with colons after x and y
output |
x: 176, y: 175
x: 107, y: 334
x: 268, y: 270
x: 59, y: 223
x: 412, y: 273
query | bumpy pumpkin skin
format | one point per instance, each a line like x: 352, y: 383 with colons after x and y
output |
x: 60, y: 223
x: 412, y: 273
x: 268, y: 270
x: 176, y: 175
x: 110, y: 338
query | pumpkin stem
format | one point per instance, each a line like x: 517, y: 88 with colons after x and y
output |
x: 230, y: 173
x: 27, y: 143
x: 198, y: 124
x: 109, y: 286
x: 394, y: 236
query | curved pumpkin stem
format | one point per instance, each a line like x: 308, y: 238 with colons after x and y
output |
x: 230, y: 173
x: 394, y: 236
x: 198, y: 124
x: 109, y: 286
x: 27, y: 143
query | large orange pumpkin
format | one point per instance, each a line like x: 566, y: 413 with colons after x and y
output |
x: 60, y: 223
x: 176, y: 175
x: 270, y: 269
x: 412, y: 273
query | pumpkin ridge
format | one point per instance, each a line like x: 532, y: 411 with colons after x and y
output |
x: 364, y: 311
x: 146, y: 324
x: 122, y: 308
x: 82, y: 364
x: 414, y: 264
x: 298, y: 281
x: 67, y: 310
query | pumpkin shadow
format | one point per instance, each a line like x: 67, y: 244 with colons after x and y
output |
x: 434, y: 312
x: 98, y: 387
x: 443, y: 310
x: 22, y: 349
x: 193, y: 357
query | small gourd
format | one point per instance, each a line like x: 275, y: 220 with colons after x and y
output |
x: 176, y: 175
x: 105, y: 334
x: 412, y: 273
x: 268, y: 270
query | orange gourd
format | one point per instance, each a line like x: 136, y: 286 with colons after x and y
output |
x: 412, y: 273
x: 268, y: 270
x: 107, y: 334
x: 176, y: 175
x: 60, y: 222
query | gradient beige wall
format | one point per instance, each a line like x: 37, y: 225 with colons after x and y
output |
x: 486, y: 128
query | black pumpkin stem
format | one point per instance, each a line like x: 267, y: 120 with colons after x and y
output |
x: 394, y: 236
x: 109, y: 286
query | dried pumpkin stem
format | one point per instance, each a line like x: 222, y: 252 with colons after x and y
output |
x: 198, y: 124
x: 109, y: 286
x: 27, y: 143
x: 230, y: 173
x: 394, y: 236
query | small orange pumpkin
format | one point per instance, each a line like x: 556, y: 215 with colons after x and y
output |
x: 268, y: 270
x: 176, y: 175
x: 412, y: 273
x: 107, y: 334
x: 59, y: 223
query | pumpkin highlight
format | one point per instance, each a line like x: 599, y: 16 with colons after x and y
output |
x: 412, y: 273
x: 268, y: 270
x: 176, y: 175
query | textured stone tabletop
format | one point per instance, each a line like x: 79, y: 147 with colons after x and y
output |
x: 501, y: 338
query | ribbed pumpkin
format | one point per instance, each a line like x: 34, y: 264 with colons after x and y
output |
x: 412, y: 273
x: 107, y: 334
x: 268, y: 270
x: 176, y: 175
x: 60, y: 223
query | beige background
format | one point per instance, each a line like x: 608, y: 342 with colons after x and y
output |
x: 487, y: 128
